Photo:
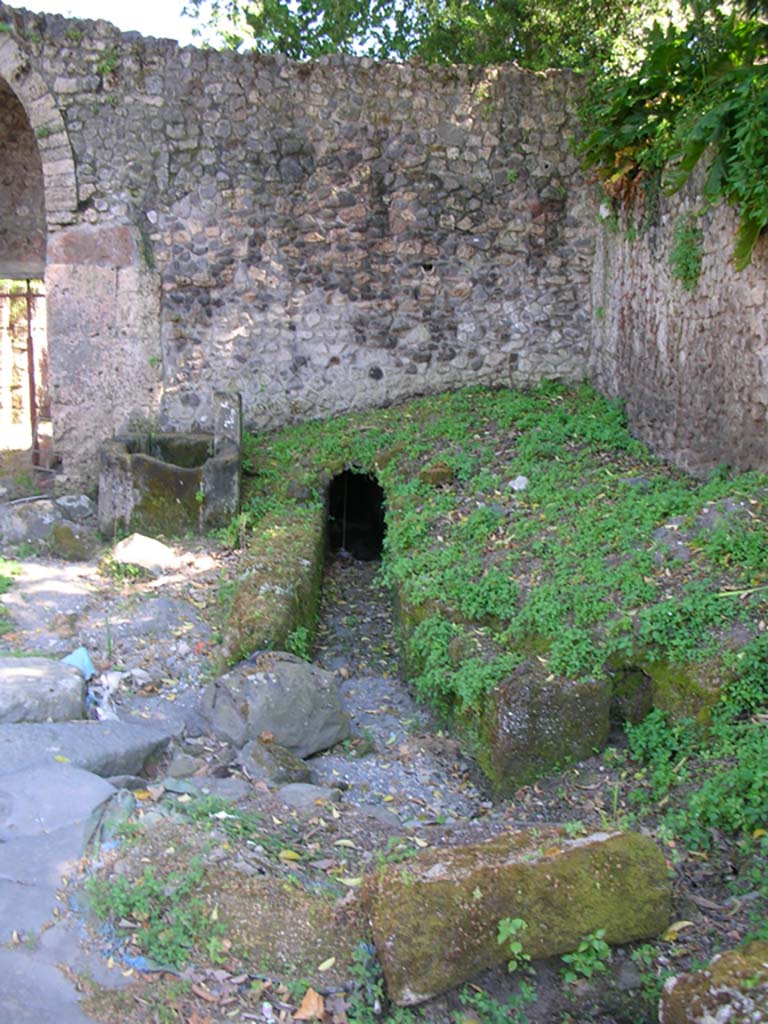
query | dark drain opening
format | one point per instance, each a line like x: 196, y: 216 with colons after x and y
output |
x: 356, y: 516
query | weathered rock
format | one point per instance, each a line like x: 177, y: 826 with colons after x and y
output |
x: 535, y: 721
x: 146, y: 553
x: 182, y: 766
x: 76, y: 507
x: 435, y: 919
x: 733, y: 989
x: 73, y: 541
x: 29, y: 522
x: 233, y: 789
x: 277, y: 693
x: 104, y: 748
x: 269, y: 762
x: 40, y: 690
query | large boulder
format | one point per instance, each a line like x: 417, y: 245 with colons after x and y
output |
x: 277, y: 696
x: 435, y: 919
x: 535, y: 721
x: 733, y: 989
x: 40, y: 690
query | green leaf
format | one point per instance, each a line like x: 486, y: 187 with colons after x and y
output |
x: 746, y: 237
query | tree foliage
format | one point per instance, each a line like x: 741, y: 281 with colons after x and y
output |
x: 699, y: 98
x: 535, y: 33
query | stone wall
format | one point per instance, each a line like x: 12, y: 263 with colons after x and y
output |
x: 692, y: 366
x: 319, y: 237
x: 327, y: 236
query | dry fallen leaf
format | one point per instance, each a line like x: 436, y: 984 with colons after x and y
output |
x: 312, y: 1006
x: 671, y: 934
x: 203, y: 993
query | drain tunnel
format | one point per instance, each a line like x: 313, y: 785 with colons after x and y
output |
x: 356, y: 516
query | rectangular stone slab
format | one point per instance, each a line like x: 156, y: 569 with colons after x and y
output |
x: 104, y: 748
x: 435, y: 919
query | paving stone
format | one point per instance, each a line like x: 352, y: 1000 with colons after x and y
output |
x: 47, y: 817
x: 105, y: 748
x: 34, y: 992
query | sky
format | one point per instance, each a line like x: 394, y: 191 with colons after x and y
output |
x: 161, y: 18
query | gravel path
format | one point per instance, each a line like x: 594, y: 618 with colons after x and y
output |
x: 399, y: 758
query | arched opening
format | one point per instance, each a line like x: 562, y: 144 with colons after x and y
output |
x: 24, y: 399
x: 356, y: 516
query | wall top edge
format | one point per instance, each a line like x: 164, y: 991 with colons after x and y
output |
x: 56, y: 26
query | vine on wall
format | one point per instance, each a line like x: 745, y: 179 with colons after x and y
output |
x: 700, y: 95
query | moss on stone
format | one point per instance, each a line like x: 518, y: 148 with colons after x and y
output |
x: 534, y: 722
x: 733, y: 989
x: 277, y: 586
x: 72, y: 542
x: 686, y: 690
x: 166, y: 497
x: 435, y: 919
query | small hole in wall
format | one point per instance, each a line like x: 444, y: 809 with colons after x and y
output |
x: 356, y: 516
x: 428, y: 268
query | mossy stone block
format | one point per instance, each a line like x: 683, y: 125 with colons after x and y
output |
x: 733, y: 989
x: 435, y: 919
x: 73, y: 542
x: 535, y: 722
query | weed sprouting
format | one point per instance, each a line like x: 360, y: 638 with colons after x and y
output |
x: 164, y: 914
x: 590, y: 957
x: 491, y: 1011
x: 509, y: 934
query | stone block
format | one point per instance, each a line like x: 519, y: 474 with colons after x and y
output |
x: 733, y: 989
x: 435, y: 919
x: 102, y: 246
x: 535, y: 722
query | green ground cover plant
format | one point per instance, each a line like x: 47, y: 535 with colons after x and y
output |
x: 169, y: 919
x: 574, y: 568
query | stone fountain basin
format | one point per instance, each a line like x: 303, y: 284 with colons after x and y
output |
x: 167, y: 483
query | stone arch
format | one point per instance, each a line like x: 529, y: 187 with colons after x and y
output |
x: 356, y: 523
x: 58, y: 166
x: 39, y: 199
